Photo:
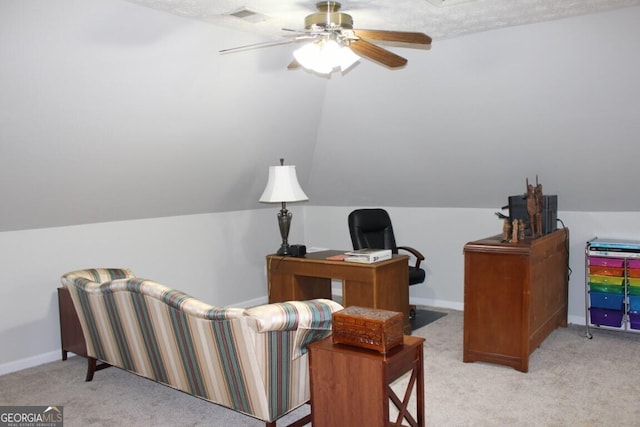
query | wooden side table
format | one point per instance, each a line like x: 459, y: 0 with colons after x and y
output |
x: 351, y: 386
x: 71, y: 336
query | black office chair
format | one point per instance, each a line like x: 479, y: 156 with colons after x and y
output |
x: 371, y: 228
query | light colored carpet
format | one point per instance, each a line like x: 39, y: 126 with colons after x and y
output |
x: 572, y: 381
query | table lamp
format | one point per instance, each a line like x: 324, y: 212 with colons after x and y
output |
x: 283, y: 187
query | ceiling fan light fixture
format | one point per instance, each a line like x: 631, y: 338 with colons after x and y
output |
x: 325, y: 55
x: 335, y: 44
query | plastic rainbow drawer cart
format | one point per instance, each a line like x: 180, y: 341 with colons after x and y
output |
x: 612, y: 285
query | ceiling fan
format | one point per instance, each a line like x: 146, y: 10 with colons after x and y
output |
x: 330, y: 30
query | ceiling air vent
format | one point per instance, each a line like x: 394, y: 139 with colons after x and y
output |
x: 248, y: 15
x: 443, y: 3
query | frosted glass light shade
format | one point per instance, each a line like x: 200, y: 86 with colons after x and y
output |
x: 282, y: 186
x: 323, y: 56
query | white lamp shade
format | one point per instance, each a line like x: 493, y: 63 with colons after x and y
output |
x: 283, y: 186
x: 323, y: 56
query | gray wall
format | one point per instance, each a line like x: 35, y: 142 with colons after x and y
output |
x: 466, y: 123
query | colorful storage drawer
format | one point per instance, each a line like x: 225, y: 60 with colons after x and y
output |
x: 607, y: 280
x: 634, y: 303
x: 612, y: 289
x: 634, y: 286
x: 633, y: 263
x: 633, y: 272
x: 606, y: 300
x: 634, y: 320
x: 604, y: 317
x: 606, y: 262
x: 607, y: 271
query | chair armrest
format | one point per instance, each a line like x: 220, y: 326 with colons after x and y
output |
x: 308, y: 321
x: 419, y: 257
x: 292, y: 315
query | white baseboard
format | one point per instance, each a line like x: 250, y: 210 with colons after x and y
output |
x: 30, y: 362
x: 437, y: 303
x: 576, y: 320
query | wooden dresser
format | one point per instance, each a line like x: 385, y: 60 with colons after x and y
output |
x: 515, y: 295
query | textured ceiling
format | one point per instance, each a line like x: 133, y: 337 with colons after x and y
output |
x: 440, y: 19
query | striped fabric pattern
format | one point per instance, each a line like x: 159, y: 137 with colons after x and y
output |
x: 310, y: 320
x: 250, y: 360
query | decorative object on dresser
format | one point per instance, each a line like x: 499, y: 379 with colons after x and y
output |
x: 515, y: 295
x: 536, y: 214
x: 283, y: 187
x: 253, y: 361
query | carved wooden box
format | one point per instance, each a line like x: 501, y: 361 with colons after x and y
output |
x: 369, y: 328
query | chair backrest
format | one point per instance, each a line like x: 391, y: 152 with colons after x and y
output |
x: 371, y: 228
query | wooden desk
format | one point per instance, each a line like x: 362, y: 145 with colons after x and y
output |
x: 383, y: 284
x: 350, y: 386
x: 515, y: 295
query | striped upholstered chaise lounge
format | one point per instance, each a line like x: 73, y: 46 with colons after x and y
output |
x: 253, y: 360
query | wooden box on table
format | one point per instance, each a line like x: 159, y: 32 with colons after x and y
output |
x: 370, y: 328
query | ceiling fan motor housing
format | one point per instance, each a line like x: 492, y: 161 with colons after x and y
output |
x: 328, y: 17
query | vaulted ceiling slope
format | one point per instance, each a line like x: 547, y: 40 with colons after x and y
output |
x: 113, y: 111
x: 440, y: 19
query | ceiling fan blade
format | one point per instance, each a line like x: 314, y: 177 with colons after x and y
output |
x: 291, y: 30
x: 266, y: 44
x: 377, y: 54
x: 394, y: 36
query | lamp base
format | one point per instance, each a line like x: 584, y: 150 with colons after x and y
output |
x: 285, y: 250
x: 284, y: 223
